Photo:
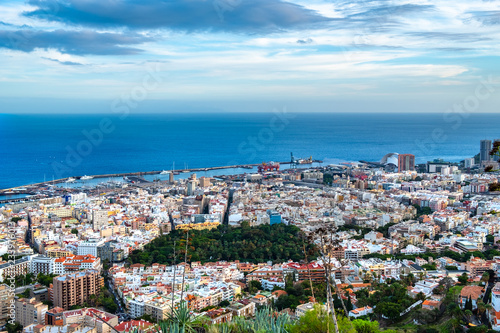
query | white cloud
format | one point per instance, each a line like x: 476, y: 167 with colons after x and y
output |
x: 426, y: 47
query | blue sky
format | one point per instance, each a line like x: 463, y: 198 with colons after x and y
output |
x: 248, y: 55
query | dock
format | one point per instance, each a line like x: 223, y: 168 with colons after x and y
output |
x: 31, y: 188
x: 138, y: 180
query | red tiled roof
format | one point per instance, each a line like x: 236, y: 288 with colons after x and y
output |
x: 474, y: 292
x: 279, y: 293
x: 128, y: 325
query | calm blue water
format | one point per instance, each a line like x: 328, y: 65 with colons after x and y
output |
x: 36, y: 146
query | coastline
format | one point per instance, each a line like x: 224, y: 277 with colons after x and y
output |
x: 22, y: 189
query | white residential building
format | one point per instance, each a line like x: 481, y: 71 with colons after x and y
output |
x: 89, y: 247
x: 42, y: 264
x: 360, y: 312
x: 135, y: 308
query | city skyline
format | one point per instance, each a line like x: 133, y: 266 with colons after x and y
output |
x: 235, y: 55
x: 249, y: 165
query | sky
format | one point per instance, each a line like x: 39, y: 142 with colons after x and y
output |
x: 248, y: 55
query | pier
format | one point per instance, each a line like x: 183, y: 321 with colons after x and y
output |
x: 138, y: 180
x: 31, y: 188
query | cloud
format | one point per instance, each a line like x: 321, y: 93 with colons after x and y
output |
x: 450, y: 36
x: 67, y: 63
x: 185, y: 15
x: 377, y: 16
x: 305, y: 41
x: 395, y: 10
x: 72, y: 42
x: 454, y: 49
x: 487, y: 17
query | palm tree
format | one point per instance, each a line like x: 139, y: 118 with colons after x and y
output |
x: 308, y: 270
x: 452, y: 325
x: 173, y: 283
x: 485, y: 277
x: 455, y: 311
x: 185, y: 264
x: 419, y: 315
x: 481, y: 307
x: 93, y: 300
x: 327, y: 245
x: 468, y: 315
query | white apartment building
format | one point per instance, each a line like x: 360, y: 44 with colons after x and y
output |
x: 42, y: 264
x: 135, y: 308
x: 89, y: 247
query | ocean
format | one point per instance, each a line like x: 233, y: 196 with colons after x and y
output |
x: 38, y: 147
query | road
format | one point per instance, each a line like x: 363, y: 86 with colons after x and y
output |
x: 488, y: 287
x: 19, y: 290
x: 120, y: 313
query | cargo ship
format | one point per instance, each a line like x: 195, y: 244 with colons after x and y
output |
x: 293, y: 160
x: 305, y: 161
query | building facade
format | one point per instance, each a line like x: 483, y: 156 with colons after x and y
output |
x: 6, y: 299
x: 30, y: 311
x: 76, y: 288
x: 484, y: 152
x: 406, y: 162
x: 15, y: 268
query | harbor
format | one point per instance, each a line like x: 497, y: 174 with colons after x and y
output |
x: 22, y: 193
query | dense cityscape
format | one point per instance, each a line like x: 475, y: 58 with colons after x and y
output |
x: 249, y: 166
x: 369, y: 246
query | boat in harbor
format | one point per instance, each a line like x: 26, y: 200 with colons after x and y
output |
x: 128, y: 180
x: 164, y: 172
x: 305, y: 161
x: 70, y: 180
x: 86, y: 177
x: 115, y: 183
x: 296, y: 161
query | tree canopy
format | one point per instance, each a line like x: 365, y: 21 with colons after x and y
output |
x: 277, y: 242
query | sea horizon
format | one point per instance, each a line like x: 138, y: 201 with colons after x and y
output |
x: 146, y: 142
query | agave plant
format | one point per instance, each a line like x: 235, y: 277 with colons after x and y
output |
x: 180, y: 320
x: 266, y: 321
x: 240, y: 324
x: 221, y: 328
x: 135, y: 330
x: 172, y: 327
